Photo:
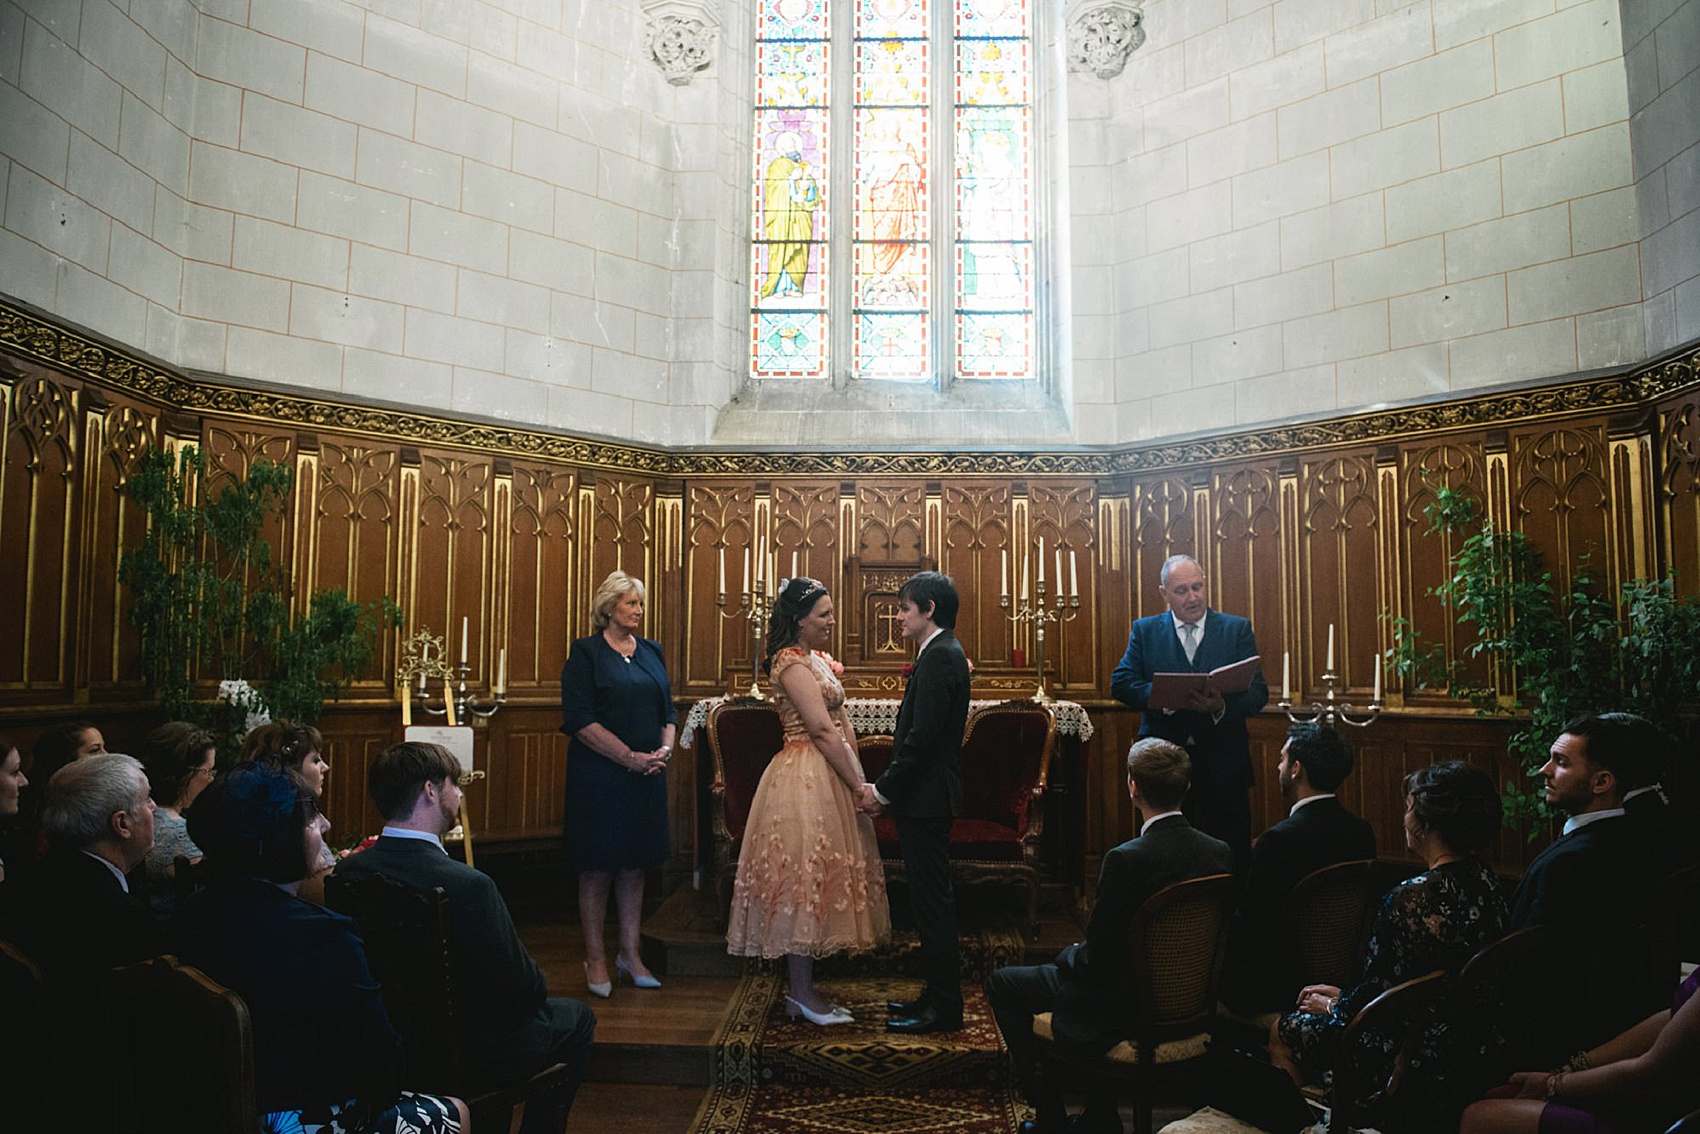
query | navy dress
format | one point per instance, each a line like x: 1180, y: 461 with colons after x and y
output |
x: 615, y: 819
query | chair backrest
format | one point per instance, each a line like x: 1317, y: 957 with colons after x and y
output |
x: 1674, y: 926
x: 1401, y: 1012
x: 876, y: 754
x: 743, y: 736
x: 1177, y: 943
x: 1323, y: 922
x: 169, y: 1017
x: 1497, y: 1003
x: 23, y: 1037
x: 1687, y: 1124
x: 408, y: 936
x: 1005, y: 761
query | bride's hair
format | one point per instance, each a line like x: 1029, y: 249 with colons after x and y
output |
x: 796, y: 598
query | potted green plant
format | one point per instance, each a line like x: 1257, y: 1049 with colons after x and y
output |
x: 1559, y: 652
x: 213, y: 604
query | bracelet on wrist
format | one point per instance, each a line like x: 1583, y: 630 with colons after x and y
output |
x: 1553, y: 1081
x: 1578, y: 1062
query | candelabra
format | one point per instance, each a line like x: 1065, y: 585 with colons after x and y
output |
x: 458, y: 703
x: 1064, y: 609
x: 1331, y: 710
x: 753, y: 605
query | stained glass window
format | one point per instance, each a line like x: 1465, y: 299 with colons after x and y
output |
x: 905, y: 128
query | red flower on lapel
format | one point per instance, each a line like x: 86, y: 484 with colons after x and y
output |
x: 908, y: 670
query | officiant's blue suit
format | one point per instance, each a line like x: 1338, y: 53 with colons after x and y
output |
x: 1220, y: 750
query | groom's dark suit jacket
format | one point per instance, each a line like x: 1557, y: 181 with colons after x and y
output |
x: 1095, y: 1006
x: 923, y: 780
x: 509, y: 1025
x: 1221, y: 751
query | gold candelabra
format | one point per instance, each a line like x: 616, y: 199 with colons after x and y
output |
x: 423, y: 657
x: 1332, y: 710
x: 1065, y: 606
x: 752, y: 603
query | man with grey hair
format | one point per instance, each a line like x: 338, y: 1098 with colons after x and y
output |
x: 76, y: 917
x: 1189, y: 637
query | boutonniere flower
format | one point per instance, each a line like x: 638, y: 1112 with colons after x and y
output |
x: 908, y: 670
x: 970, y: 662
x: 356, y: 848
x: 832, y: 663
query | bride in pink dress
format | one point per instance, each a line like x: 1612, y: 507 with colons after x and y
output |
x: 809, y: 879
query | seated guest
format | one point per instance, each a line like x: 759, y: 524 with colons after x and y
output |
x: 1088, y: 989
x: 1642, y: 1079
x: 1317, y: 832
x: 511, y: 1028
x: 1674, y: 836
x: 1436, y: 920
x: 1593, y: 884
x: 75, y: 916
x: 325, y: 1056
x: 298, y: 748
x: 60, y: 745
x: 12, y: 783
x: 179, y: 763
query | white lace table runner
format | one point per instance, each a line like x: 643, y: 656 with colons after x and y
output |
x: 872, y: 716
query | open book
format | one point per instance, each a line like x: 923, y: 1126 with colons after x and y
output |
x: 1173, y: 690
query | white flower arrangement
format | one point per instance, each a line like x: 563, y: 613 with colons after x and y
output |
x: 247, y: 699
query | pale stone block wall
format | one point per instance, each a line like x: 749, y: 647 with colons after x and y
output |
x: 1328, y: 204
x: 1661, y: 41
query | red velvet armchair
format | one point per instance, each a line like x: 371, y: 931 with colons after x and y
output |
x: 1005, y: 762
x: 743, y: 736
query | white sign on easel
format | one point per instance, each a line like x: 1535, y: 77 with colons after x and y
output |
x: 456, y: 738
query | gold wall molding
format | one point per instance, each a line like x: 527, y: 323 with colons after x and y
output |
x: 37, y: 336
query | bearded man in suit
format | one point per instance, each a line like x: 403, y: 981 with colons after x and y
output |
x: 922, y: 787
x: 1191, y: 638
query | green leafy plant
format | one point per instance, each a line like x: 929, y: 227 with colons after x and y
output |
x: 1555, y: 653
x: 213, y: 604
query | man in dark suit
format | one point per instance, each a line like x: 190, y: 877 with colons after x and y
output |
x: 75, y: 916
x: 511, y: 1028
x: 1088, y: 989
x: 1671, y: 831
x: 1317, y: 832
x: 922, y: 788
x: 1191, y: 638
x: 1592, y: 885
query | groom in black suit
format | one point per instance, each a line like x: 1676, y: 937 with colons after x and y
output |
x: 923, y: 790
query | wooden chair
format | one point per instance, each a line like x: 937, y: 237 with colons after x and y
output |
x: 1323, y: 923
x: 1177, y: 945
x: 1496, y: 1004
x: 1687, y: 1124
x: 1674, y: 925
x: 23, y: 1038
x: 409, y: 944
x: 168, y: 1016
x: 743, y: 736
x: 1401, y: 1011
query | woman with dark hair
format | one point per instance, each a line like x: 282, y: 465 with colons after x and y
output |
x: 1436, y: 920
x: 809, y: 880
x: 617, y: 705
x: 325, y: 1056
x: 298, y: 748
x: 12, y: 783
x: 60, y: 745
x: 178, y: 758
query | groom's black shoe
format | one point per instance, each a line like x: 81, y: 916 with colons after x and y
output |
x: 928, y: 1019
x: 903, y: 1009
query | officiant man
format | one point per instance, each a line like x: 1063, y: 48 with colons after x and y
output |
x: 1191, y: 638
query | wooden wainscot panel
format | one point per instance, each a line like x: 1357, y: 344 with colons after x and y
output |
x: 891, y: 522
x: 353, y: 532
x: 1560, y: 497
x: 622, y: 529
x: 1338, y: 539
x: 1065, y: 514
x: 719, y: 528
x: 1677, y: 475
x: 1245, y: 546
x: 453, y: 542
x: 546, y: 606
x: 119, y: 434
x: 40, y: 594
x: 976, y: 515
x: 1425, y: 467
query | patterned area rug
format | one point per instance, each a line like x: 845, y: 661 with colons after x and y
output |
x: 774, y: 1075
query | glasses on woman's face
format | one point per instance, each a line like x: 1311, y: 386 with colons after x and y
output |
x: 209, y: 771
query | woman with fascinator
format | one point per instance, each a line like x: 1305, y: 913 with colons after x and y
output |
x: 326, y: 1060
x: 809, y: 878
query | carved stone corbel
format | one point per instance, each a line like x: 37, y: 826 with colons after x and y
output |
x: 1102, y: 34
x: 679, y: 37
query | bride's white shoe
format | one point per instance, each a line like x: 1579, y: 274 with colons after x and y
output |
x: 833, y: 1014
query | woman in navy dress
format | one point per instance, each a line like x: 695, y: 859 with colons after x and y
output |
x: 617, y: 706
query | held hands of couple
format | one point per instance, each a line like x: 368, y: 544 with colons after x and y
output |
x: 867, y: 802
